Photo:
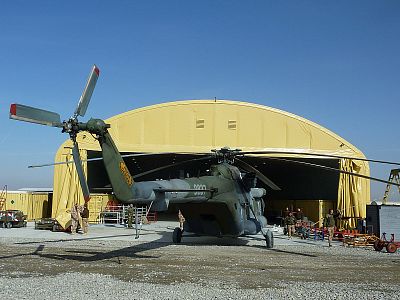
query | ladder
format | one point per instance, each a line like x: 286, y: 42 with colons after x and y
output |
x: 3, y: 198
x: 395, y: 178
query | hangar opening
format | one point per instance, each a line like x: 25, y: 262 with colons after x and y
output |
x: 298, y: 181
x: 174, y: 132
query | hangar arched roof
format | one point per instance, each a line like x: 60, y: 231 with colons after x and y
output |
x: 202, y: 125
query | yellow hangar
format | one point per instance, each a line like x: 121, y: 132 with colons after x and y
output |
x: 175, y: 131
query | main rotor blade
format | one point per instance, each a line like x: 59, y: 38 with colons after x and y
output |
x: 170, y: 166
x: 321, y: 155
x: 245, y: 166
x: 34, y: 115
x: 87, y: 92
x: 63, y: 163
x: 332, y: 169
x: 79, y: 170
x: 96, y: 159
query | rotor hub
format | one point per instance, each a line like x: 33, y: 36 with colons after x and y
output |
x: 94, y: 126
x: 226, y: 155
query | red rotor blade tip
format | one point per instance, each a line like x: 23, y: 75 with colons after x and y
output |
x: 13, y: 109
x: 97, y: 70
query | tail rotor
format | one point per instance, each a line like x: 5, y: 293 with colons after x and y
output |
x: 72, y: 126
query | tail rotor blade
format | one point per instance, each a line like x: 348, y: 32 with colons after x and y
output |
x: 34, y: 115
x: 87, y: 92
x: 81, y: 174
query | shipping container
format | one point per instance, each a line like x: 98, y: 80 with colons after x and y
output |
x: 34, y: 205
x: 384, y: 218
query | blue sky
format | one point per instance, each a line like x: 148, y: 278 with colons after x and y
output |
x: 336, y: 63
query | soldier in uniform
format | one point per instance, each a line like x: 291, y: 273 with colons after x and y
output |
x: 74, y: 218
x: 299, y: 221
x: 131, y: 214
x: 290, y: 222
x: 285, y: 214
x: 85, y: 218
x: 329, y: 223
x: 181, y: 219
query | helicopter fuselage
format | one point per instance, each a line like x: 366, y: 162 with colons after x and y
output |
x: 211, y: 205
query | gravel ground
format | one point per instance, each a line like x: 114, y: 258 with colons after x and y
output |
x: 110, y: 263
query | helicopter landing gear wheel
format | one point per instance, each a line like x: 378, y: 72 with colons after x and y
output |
x: 177, y: 235
x: 269, y: 239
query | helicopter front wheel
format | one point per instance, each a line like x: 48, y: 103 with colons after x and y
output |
x: 269, y: 239
x: 177, y: 235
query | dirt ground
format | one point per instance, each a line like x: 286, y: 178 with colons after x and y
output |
x: 242, y: 264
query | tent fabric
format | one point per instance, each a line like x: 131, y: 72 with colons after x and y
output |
x: 67, y: 189
x: 352, y: 190
x: 197, y: 126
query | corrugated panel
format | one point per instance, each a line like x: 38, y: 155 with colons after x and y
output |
x: 96, y: 205
x: 389, y: 217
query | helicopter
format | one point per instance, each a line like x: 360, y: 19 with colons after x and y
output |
x: 221, y: 204
x: 224, y: 203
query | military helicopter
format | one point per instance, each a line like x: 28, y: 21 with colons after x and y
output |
x: 224, y: 203
x: 221, y: 204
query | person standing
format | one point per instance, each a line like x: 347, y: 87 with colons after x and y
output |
x: 329, y: 223
x: 290, y: 222
x: 85, y: 218
x: 131, y: 213
x: 299, y: 221
x: 285, y: 214
x: 181, y: 219
x: 74, y: 218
